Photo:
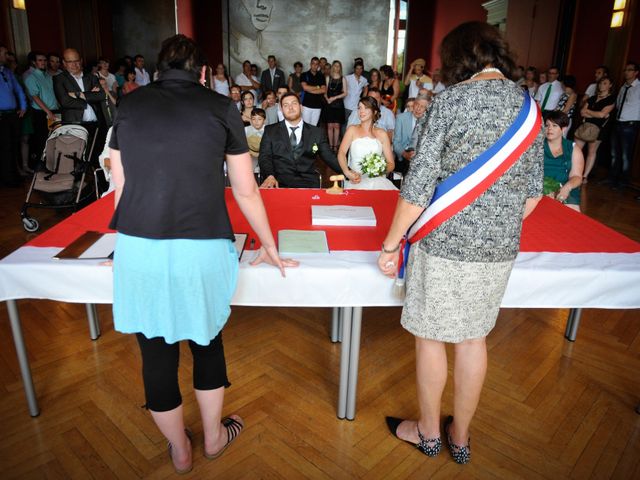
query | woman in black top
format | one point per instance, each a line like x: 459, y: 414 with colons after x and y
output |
x: 597, y: 111
x: 247, y: 100
x: 333, y: 109
x: 389, y: 88
x: 175, y: 266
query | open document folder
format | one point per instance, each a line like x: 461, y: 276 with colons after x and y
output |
x: 302, y: 241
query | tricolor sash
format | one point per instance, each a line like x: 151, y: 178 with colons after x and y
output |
x: 466, y: 185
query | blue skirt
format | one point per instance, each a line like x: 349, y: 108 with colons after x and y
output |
x: 178, y: 289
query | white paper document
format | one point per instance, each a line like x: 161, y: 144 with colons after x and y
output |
x: 103, y: 248
x: 343, y: 215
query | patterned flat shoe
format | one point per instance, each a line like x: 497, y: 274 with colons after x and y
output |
x: 429, y: 446
x: 181, y: 471
x: 233, y: 428
x: 461, y: 454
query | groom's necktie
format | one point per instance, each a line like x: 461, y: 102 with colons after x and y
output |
x: 292, y: 138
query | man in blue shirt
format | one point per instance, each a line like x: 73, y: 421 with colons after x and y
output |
x: 13, y: 105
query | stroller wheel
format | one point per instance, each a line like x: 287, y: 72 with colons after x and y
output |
x: 30, y: 224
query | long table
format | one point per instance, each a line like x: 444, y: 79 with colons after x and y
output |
x: 567, y: 260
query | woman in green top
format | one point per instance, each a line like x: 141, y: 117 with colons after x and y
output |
x: 562, y: 162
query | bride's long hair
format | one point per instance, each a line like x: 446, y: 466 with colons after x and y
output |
x: 371, y: 103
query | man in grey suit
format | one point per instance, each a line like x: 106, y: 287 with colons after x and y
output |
x: 272, y: 78
x: 404, y: 142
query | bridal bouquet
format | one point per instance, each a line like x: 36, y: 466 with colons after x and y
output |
x: 373, y: 165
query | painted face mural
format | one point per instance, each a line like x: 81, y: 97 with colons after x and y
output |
x: 260, y: 11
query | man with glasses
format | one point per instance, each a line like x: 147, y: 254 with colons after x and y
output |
x: 626, y: 127
x: 81, y: 98
x: 404, y: 138
x: 13, y: 105
x: 550, y: 92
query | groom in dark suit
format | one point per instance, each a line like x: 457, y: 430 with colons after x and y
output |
x: 288, y: 149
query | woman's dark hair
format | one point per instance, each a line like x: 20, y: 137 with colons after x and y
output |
x: 388, y: 71
x: 472, y: 46
x: 372, y: 104
x: 298, y: 64
x: 558, y: 117
x: 180, y: 53
x: 375, y: 70
x: 245, y: 94
x: 611, y: 89
x: 569, y: 81
x: 127, y: 72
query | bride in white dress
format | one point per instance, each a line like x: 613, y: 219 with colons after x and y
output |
x: 360, y: 140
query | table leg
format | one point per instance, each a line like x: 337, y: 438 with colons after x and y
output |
x: 335, y: 323
x: 23, y: 359
x: 573, y: 322
x: 341, y: 313
x: 354, y: 357
x: 94, y: 324
x: 344, y: 361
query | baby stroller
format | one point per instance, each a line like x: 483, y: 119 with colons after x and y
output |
x: 60, y: 178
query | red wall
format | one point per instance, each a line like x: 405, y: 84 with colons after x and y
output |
x: 45, y: 25
x: 429, y: 21
x: 589, y: 42
x: 185, y: 17
x: 202, y: 21
x: 449, y: 15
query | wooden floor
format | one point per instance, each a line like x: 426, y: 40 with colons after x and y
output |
x: 550, y: 409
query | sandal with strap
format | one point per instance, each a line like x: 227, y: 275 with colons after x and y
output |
x: 460, y: 453
x: 429, y: 446
x: 181, y: 471
x: 233, y: 428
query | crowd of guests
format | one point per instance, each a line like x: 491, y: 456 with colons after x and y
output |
x: 329, y: 96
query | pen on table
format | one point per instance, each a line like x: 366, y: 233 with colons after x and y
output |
x: 252, y: 243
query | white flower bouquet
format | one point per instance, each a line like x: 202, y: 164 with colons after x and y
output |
x: 373, y: 165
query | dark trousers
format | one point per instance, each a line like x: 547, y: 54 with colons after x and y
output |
x: 160, y: 370
x: 38, y: 139
x: 9, y: 148
x: 623, y: 142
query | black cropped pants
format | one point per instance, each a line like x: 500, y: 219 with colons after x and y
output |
x: 160, y: 370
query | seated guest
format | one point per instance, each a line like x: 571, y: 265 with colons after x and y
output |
x: 386, y: 122
x: 44, y: 106
x: 408, y: 105
x: 404, y: 140
x: 248, y: 102
x: 235, y: 93
x: 531, y: 81
x: 130, y: 82
x: 142, y: 76
x: 53, y: 64
x: 288, y: 149
x: 562, y: 162
x: 246, y: 81
x: 274, y: 114
x: 417, y: 78
x: 295, y: 79
x: 272, y: 78
x: 269, y: 99
x: 549, y: 93
x: 221, y: 81
x: 254, y: 133
x: 313, y: 85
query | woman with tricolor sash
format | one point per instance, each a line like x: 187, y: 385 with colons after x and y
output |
x: 477, y: 172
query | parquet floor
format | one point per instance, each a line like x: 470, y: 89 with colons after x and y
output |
x: 550, y: 409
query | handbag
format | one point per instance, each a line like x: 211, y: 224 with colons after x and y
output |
x: 587, y: 132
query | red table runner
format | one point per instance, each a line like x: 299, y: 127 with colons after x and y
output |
x: 550, y: 228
